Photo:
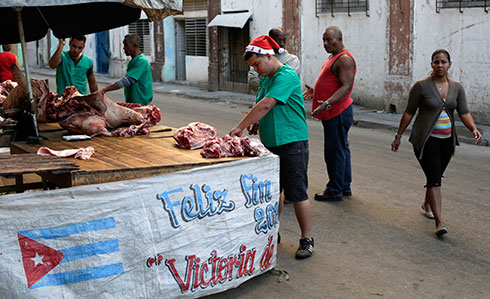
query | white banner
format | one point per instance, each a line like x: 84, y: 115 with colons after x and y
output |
x: 186, y: 234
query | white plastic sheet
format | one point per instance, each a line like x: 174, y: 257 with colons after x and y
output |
x: 186, y: 234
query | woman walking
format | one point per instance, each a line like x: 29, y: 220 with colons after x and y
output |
x: 434, y: 133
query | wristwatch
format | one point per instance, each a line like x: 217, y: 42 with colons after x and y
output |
x: 398, y: 136
x: 327, y: 106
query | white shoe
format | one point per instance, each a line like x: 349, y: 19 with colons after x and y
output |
x: 429, y: 215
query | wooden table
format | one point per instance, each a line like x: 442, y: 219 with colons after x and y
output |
x: 18, y: 165
x: 119, y: 158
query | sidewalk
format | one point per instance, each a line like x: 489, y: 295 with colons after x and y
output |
x: 363, y: 117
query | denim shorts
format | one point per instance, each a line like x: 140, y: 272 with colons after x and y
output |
x: 293, y: 172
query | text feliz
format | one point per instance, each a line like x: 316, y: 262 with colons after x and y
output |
x: 203, y: 202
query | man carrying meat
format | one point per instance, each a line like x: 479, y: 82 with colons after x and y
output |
x: 281, y: 116
x: 137, y: 83
x: 73, y: 67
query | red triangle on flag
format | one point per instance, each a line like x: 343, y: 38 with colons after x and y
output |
x: 38, y: 259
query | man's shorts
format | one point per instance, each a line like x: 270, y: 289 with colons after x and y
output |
x: 293, y: 173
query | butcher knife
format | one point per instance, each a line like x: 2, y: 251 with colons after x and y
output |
x: 161, y: 130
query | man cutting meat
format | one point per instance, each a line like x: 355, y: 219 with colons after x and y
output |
x: 73, y: 67
x: 137, y: 83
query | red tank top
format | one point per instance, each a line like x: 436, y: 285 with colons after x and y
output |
x: 6, y: 59
x: 326, y: 85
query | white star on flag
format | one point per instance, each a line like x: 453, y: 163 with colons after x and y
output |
x: 38, y: 259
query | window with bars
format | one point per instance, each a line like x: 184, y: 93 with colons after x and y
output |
x: 195, y: 37
x: 341, y: 6
x: 462, y: 4
x: 193, y: 5
x: 142, y: 28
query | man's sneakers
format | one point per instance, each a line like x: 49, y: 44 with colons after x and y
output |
x: 305, y: 249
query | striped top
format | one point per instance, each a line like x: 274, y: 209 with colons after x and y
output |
x: 442, y: 129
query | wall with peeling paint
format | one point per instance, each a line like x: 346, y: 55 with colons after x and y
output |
x: 196, y: 68
x: 119, y: 60
x: 364, y: 37
x: 266, y: 14
x: 466, y: 36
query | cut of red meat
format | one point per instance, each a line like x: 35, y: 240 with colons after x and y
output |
x: 83, y: 153
x: 223, y: 147
x: 133, y: 130
x: 253, y: 147
x: 233, y: 147
x: 194, y: 135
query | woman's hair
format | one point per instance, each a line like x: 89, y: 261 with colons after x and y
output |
x: 439, y: 51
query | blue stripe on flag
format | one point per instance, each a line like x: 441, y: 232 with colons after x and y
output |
x: 79, y: 275
x: 88, y: 250
x: 71, y: 229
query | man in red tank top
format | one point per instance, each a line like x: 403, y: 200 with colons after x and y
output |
x: 6, y: 59
x: 333, y: 106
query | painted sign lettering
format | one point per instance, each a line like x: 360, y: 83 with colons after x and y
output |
x: 203, y: 203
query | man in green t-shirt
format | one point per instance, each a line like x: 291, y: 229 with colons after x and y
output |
x: 137, y: 83
x: 281, y: 118
x: 73, y: 67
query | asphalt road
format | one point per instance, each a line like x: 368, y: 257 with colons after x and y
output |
x: 378, y: 243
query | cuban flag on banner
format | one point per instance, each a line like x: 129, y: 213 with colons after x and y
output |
x: 71, y: 253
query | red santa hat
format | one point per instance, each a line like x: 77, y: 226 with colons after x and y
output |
x: 263, y: 44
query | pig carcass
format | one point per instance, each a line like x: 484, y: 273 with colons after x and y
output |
x: 95, y: 115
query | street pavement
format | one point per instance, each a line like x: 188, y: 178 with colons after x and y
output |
x: 376, y: 244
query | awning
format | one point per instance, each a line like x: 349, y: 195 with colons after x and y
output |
x: 236, y: 20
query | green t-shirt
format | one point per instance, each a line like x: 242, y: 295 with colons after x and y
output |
x: 68, y: 74
x: 141, y: 91
x: 286, y: 121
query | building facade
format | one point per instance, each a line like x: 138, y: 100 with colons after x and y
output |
x: 392, y: 42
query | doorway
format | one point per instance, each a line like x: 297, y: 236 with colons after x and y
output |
x: 103, y: 52
x: 233, y: 69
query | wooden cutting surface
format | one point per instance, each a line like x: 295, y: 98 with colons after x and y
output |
x: 32, y: 163
x: 119, y: 158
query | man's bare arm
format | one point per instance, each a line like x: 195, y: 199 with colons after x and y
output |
x: 55, y: 60
x: 92, y: 83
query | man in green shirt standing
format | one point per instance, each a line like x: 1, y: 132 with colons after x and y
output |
x: 72, y: 67
x: 281, y: 118
x: 137, y: 83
